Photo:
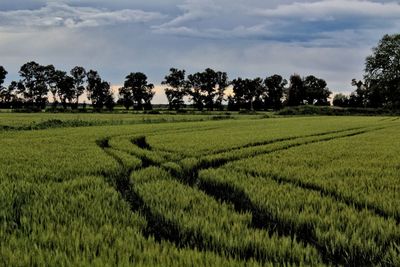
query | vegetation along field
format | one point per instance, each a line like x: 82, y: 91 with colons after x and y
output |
x: 199, y: 190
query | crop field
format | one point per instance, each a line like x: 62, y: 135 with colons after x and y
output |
x: 199, y: 190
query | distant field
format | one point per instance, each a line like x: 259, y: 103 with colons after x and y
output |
x: 211, y: 190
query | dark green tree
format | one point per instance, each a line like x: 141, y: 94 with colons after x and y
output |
x: 79, y: 76
x: 3, y: 74
x: 247, y: 92
x: 295, y: 93
x: 138, y: 90
x: 194, y: 83
x: 316, y: 91
x: 66, y: 92
x: 98, y: 90
x: 207, y: 88
x: 125, y: 97
x: 223, y: 83
x: 274, y: 86
x: 341, y: 100
x: 34, y: 84
x: 176, y: 88
x: 382, y: 73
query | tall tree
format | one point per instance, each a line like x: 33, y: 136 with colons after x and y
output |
x: 3, y: 74
x: 34, y: 84
x: 98, y: 90
x: 207, y: 88
x: 65, y: 85
x: 223, y: 83
x: 275, y: 86
x: 316, y: 91
x: 295, y: 92
x: 125, y: 97
x: 382, y: 73
x: 139, y: 90
x: 79, y: 76
x: 194, y: 82
x: 177, y: 88
x: 247, y: 91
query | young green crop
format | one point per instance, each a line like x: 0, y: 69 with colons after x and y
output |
x: 347, y: 236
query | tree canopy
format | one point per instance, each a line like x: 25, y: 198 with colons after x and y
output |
x: 382, y: 73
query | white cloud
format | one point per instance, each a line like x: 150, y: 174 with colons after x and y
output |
x: 55, y: 14
x: 333, y: 9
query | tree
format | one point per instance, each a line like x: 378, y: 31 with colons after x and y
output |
x: 79, y: 75
x: 358, y: 98
x: 295, y: 92
x: 207, y: 88
x: 316, y: 91
x: 194, y: 82
x: 34, y: 84
x: 382, y: 73
x: 177, y: 88
x: 247, y: 91
x: 125, y: 97
x: 60, y: 85
x: 98, y: 90
x: 275, y: 86
x: 3, y: 74
x: 109, y: 101
x: 138, y: 90
x: 65, y: 86
x: 340, y: 100
x: 223, y: 83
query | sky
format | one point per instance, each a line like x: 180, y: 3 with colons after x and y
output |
x: 246, y: 38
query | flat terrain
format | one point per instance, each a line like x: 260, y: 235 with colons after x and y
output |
x: 198, y: 190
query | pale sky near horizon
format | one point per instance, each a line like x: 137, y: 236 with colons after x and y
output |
x: 246, y: 38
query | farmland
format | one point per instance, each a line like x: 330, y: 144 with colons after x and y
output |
x: 198, y: 190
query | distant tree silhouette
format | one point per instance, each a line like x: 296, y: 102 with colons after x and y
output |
x: 207, y: 88
x: 340, y: 100
x: 295, y: 92
x: 247, y: 91
x: 137, y: 89
x: 34, y: 84
x: 125, y: 97
x: 98, y: 90
x: 316, y: 91
x: 275, y: 86
x: 61, y: 86
x: 3, y: 74
x: 177, y: 88
x: 223, y: 83
x: 79, y: 76
x: 194, y: 82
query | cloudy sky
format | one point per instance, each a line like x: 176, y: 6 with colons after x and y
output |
x: 247, y: 38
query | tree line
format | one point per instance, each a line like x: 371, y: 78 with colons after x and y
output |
x: 207, y: 89
x: 41, y: 84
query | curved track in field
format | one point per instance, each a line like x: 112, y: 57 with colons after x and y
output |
x: 261, y: 219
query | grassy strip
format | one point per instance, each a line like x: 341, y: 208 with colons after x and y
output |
x: 190, y: 218
x: 345, y: 235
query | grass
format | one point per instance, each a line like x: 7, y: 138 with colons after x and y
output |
x: 184, y: 190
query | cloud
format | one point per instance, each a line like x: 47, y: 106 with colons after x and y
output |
x: 56, y: 14
x: 287, y: 21
x: 329, y: 10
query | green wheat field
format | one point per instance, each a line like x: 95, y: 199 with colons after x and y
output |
x: 199, y: 190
